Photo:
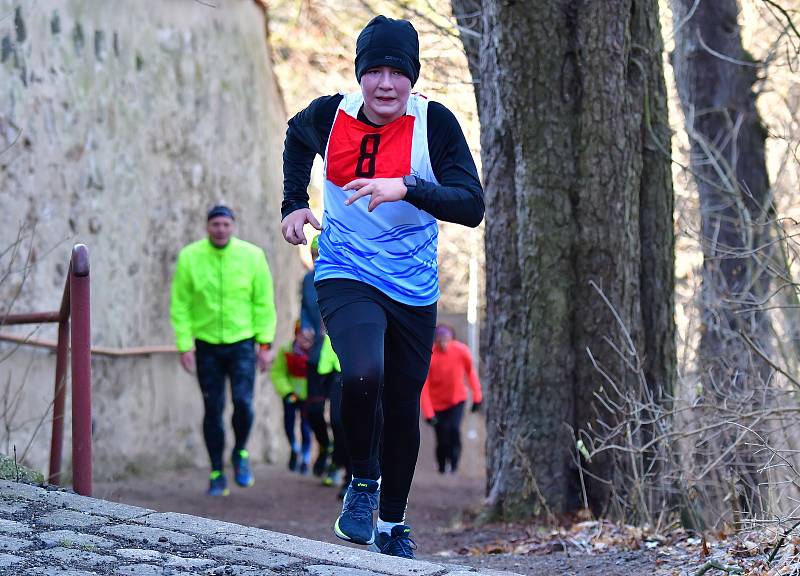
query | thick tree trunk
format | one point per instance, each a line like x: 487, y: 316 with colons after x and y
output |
x: 715, y: 78
x: 578, y: 193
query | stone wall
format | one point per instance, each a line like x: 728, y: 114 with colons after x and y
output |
x: 120, y: 124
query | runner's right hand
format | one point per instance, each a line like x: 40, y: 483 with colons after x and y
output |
x: 292, y: 225
x: 187, y: 361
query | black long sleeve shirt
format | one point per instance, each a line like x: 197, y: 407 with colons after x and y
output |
x: 457, y: 198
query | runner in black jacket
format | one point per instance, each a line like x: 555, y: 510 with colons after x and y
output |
x: 394, y: 164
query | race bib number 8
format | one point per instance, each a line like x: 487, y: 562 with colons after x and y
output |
x: 358, y: 150
x: 365, y: 168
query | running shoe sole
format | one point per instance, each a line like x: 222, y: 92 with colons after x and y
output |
x: 343, y: 536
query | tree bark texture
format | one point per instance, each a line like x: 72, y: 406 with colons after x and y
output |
x: 715, y: 78
x: 578, y: 194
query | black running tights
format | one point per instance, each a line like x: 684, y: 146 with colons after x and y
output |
x: 385, y: 349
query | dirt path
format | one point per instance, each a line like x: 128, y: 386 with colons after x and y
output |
x: 300, y: 505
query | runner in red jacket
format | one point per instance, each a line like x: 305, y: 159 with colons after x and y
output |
x: 444, y: 394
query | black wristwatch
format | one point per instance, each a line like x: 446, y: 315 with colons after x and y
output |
x: 410, y: 182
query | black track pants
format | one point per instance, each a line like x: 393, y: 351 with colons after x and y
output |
x: 385, y: 350
x: 340, y: 457
x: 448, y: 437
x: 315, y: 406
x: 214, y: 363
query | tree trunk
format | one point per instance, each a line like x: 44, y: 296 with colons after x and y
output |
x: 715, y: 78
x: 578, y: 194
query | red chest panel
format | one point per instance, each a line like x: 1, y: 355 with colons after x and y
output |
x: 358, y: 150
x: 297, y: 364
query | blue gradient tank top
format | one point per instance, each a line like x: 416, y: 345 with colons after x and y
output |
x: 394, y: 247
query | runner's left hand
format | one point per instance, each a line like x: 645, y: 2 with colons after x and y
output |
x: 380, y: 189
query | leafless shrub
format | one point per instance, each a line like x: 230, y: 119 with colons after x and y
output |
x: 723, y: 449
x: 16, y: 263
x: 708, y: 457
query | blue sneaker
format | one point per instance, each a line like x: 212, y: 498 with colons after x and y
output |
x: 217, y: 484
x: 398, y: 543
x: 355, y: 523
x: 241, y: 469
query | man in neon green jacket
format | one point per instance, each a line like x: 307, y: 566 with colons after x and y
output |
x: 222, y: 306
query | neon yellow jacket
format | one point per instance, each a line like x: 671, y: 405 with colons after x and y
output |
x: 222, y: 295
x: 328, y: 360
x: 284, y: 382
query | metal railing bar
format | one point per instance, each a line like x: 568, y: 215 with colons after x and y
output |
x: 80, y: 340
x: 31, y: 318
x: 74, y: 342
x: 59, y: 399
x: 96, y: 350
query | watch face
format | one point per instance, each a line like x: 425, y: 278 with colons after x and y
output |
x: 409, y: 180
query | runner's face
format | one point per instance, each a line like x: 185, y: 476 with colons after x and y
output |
x: 443, y: 338
x: 386, y: 91
x: 220, y: 229
x: 305, y: 339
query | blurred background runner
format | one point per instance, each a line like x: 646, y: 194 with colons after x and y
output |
x: 445, y: 392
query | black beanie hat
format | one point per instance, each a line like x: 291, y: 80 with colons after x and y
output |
x: 220, y: 210
x: 388, y: 42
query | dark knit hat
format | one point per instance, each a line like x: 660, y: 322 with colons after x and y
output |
x: 220, y: 210
x: 388, y: 42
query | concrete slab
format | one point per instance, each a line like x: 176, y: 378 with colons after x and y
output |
x: 114, y: 510
x: 171, y: 560
x: 56, y: 571
x: 71, y: 556
x: 142, y: 570
x: 13, y: 527
x: 11, y: 544
x: 327, y: 570
x: 148, y: 535
x: 340, y: 555
x: 311, y: 549
x: 10, y: 507
x: 72, y: 539
x: 236, y: 570
x: 20, y: 490
x: 263, y: 558
x: 234, y: 550
x: 7, y: 560
x: 139, y: 555
x: 72, y: 519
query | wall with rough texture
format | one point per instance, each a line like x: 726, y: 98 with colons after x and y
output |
x: 120, y: 124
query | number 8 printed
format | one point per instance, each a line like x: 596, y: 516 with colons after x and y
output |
x: 369, y: 154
